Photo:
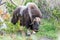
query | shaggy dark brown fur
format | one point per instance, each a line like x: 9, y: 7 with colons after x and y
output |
x: 30, y: 16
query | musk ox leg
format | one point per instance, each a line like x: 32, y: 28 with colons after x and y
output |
x: 15, y: 17
x: 28, y: 33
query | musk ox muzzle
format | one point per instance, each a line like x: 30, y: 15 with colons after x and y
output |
x: 36, y: 23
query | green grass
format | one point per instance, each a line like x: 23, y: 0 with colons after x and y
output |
x: 47, y: 29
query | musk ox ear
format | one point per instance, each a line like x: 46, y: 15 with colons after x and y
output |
x: 15, y: 16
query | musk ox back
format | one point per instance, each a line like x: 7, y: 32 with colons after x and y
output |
x: 29, y: 16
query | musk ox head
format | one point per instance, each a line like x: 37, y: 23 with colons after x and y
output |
x: 36, y: 23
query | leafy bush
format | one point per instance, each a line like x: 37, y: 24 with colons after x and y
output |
x: 12, y: 28
x: 10, y: 7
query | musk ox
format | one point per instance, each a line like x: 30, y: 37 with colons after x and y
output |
x: 29, y: 16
